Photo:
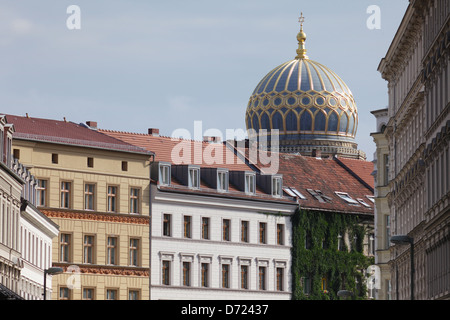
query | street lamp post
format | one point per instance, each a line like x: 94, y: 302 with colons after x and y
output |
x: 400, y: 240
x: 50, y: 271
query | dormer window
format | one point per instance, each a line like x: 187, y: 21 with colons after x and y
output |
x: 250, y: 183
x: 344, y: 196
x: 363, y: 203
x: 164, y: 174
x: 222, y: 180
x: 194, y: 177
x: 277, y: 186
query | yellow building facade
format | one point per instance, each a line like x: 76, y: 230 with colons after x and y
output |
x: 96, y: 189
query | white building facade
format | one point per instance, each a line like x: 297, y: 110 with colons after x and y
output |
x: 217, y: 246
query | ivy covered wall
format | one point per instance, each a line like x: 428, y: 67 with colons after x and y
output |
x: 322, y: 263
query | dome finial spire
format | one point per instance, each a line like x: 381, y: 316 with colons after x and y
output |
x: 301, y: 37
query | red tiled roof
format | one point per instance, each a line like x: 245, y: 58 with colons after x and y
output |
x: 327, y: 175
x: 363, y: 169
x: 166, y: 149
x: 66, y: 132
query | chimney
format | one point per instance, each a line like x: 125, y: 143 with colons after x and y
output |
x: 153, y: 132
x: 316, y: 153
x: 92, y: 124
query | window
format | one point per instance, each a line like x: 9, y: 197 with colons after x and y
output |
x: 124, y: 166
x: 324, y: 284
x: 365, y: 204
x: 244, y: 277
x: 205, y: 275
x: 167, y: 225
x: 205, y: 228
x: 250, y: 183
x: 194, y: 178
x: 112, y: 199
x: 164, y: 174
x: 134, y: 200
x: 262, y: 278
x: 244, y: 231
x: 134, y: 294
x: 306, y: 282
x: 388, y: 231
x: 225, y: 275
x: 276, y: 186
x: 16, y: 154
x: 222, y: 180
x: 54, y: 158
x: 66, y: 190
x: 88, y: 249
x: 41, y: 193
x: 166, y: 272
x: 262, y: 232
x: 341, y: 243
x: 371, y: 198
x: 90, y: 162
x: 187, y: 226
x: 280, y: 279
x: 290, y: 192
x: 88, y: 294
x: 372, y: 244
x: 65, y: 247
x: 186, y: 273
x: 319, y: 196
x: 226, y: 225
x: 344, y: 196
x: 386, y: 169
x: 64, y: 293
x: 112, y: 294
x: 111, y: 257
x: 89, y: 193
x: 308, y: 240
x: 134, y: 252
x: 280, y: 234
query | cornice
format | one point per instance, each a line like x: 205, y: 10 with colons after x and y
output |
x: 95, y: 216
x: 106, y: 270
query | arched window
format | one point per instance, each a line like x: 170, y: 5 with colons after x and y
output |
x: 332, y: 122
x: 305, y: 121
x: 319, y: 121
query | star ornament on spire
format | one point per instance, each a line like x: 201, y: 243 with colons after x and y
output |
x: 301, y: 19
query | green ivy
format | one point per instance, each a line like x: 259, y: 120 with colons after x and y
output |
x: 322, y: 259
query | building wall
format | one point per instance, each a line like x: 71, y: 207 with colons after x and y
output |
x: 215, y: 251
x: 78, y: 221
x: 416, y: 67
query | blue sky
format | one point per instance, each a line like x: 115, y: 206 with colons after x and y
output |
x: 135, y: 65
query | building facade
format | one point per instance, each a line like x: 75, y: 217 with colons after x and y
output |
x: 417, y: 70
x: 36, y: 236
x: 219, y: 230
x: 381, y: 212
x: 10, y: 202
x: 95, y: 189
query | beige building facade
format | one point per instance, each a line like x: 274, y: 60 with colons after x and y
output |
x: 381, y: 211
x: 416, y: 67
x: 96, y: 190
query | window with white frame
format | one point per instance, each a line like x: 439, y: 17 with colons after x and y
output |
x: 194, y: 177
x: 250, y: 183
x: 345, y: 196
x: 222, y: 180
x: 164, y: 174
x: 276, y: 186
